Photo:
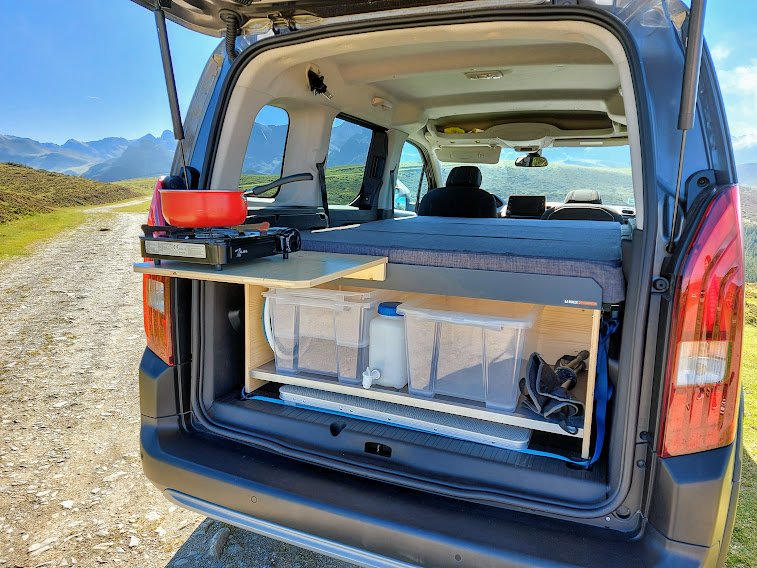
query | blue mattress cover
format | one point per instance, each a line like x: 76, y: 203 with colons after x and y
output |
x: 567, y: 248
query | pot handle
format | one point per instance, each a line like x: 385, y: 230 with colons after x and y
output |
x: 279, y: 182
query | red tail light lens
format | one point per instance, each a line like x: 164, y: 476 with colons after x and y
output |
x: 158, y: 324
x: 702, y: 394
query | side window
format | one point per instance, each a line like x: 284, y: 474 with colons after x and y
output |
x: 346, y: 161
x: 264, y: 158
x: 410, y: 177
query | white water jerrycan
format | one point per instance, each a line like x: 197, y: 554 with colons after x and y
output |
x: 387, y: 351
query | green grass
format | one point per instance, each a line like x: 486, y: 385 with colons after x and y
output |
x: 25, y: 191
x: 141, y: 207
x: 18, y: 237
x: 141, y: 186
x: 342, y: 183
x: 743, y: 553
x: 37, y: 204
x: 248, y: 181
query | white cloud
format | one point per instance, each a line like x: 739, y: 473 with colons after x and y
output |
x: 739, y: 86
x: 720, y: 52
x: 741, y: 80
x: 747, y: 139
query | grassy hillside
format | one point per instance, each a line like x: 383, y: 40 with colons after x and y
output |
x: 743, y: 553
x: 142, y: 186
x: 749, y: 216
x: 555, y: 181
x: 25, y: 191
x: 342, y: 183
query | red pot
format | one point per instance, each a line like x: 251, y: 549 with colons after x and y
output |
x: 192, y: 208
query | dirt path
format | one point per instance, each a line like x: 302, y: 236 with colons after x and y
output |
x: 71, y: 485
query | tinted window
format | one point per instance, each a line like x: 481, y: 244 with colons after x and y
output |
x: 604, y: 168
x: 410, y: 177
x: 264, y: 158
x: 345, y: 165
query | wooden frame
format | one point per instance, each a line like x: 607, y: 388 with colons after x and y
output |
x: 557, y: 331
x: 562, y: 328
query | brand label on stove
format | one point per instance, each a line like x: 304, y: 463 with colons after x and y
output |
x: 185, y: 250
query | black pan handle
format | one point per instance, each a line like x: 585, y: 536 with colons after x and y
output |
x: 279, y: 182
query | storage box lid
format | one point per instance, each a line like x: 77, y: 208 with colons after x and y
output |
x: 324, y: 294
x: 326, y: 298
x: 490, y: 314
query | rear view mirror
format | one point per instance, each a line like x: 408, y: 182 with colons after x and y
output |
x: 531, y: 161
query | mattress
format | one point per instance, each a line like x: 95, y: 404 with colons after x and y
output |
x: 589, y: 249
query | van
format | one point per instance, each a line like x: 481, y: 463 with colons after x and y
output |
x: 504, y: 175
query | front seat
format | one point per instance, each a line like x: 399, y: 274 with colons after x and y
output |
x: 461, y: 197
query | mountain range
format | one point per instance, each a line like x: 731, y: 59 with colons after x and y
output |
x: 109, y: 159
x: 348, y: 146
x: 114, y: 158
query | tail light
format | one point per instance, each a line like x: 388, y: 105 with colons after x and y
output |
x: 158, y: 325
x: 702, y: 394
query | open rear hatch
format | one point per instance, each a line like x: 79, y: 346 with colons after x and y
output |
x: 228, y: 353
x: 218, y: 17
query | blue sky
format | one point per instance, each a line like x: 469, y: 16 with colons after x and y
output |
x: 731, y: 33
x: 87, y: 69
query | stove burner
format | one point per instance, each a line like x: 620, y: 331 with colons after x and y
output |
x: 216, y: 233
x: 217, y: 245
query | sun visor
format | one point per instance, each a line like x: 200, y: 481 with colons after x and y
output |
x: 469, y: 154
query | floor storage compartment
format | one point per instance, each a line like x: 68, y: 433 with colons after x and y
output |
x: 459, y: 427
x: 355, y: 443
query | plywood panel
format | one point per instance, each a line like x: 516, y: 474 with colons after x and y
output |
x: 257, y: 350
x: 590, y: 382
x: 560, y: 331
x: 303, y: 269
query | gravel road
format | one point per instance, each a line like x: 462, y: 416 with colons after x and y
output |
x: 72, y: 492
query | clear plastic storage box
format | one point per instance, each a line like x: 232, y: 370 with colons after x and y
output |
x: 466, y: 348
x: 322, y: 331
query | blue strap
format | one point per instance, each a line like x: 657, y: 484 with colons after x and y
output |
x: 602, y: 387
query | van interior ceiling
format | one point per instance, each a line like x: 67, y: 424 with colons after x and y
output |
x: 460, y: 93
x: 560, y: 84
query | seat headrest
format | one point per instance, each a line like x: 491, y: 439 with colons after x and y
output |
x: 583, y: 196
x: 468, y: 176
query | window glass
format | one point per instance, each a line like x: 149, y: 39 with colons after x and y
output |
x: 345, y: 164
x: 606, y: 169
x: 410, y: 176
x: 264, y: 158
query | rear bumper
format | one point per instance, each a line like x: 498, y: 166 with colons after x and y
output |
x: 375, y: 524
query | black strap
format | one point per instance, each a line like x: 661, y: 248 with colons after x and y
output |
x: 324, y: 198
